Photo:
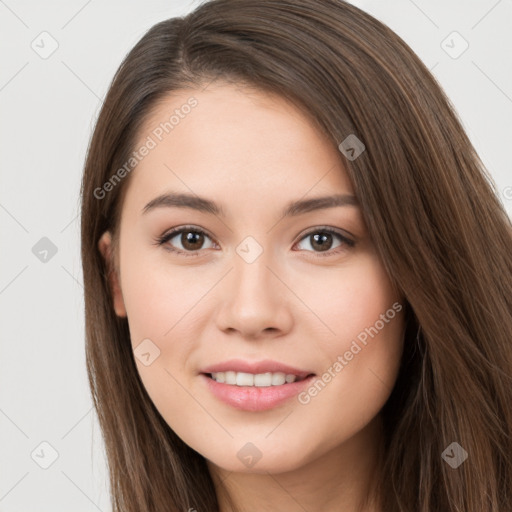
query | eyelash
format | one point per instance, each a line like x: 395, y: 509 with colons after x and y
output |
x: 346, y: 242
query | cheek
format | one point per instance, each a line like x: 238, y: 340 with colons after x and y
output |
x: 158, y: 296
x: 363, y: 346
x: 162, y: 305
x: 349, y: 299
x: 160, y: 308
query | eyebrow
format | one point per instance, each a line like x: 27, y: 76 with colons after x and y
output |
x: 181, y: 200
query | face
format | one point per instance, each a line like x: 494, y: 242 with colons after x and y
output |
x: 235, y: 279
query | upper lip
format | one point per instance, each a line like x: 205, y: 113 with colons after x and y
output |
x: 267, y: 365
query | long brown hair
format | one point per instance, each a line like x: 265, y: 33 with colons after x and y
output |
x: 431, y: 210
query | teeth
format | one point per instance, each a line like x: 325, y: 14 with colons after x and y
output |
x: 244, y: 379
x: 251, y: 379
x: 279, y: 378
x: 229, y: 377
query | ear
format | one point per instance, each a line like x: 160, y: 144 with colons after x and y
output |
x: 105, y: 247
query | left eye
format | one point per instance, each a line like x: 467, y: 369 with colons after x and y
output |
x: 323, y: 240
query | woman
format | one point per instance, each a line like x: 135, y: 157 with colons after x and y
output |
x: 297, y: 273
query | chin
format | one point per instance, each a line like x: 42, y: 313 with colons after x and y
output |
x: 252, y: 460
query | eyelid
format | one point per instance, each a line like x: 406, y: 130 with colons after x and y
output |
x: 328, y: 229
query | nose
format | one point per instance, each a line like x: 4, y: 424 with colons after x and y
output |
x: 254, y: 302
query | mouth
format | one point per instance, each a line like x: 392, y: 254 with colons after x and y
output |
x: 255, y: 386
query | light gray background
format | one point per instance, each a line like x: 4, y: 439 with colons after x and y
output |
x: 48, y: 109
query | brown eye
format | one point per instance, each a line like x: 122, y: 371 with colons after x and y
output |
x: 324, y: 241
x: 187, y: 241
x: 192, y: 240
x: 321, y: 242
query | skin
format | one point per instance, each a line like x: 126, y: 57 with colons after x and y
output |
x: 253, y: 153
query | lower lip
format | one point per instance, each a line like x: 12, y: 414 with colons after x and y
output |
x: 253, y: 398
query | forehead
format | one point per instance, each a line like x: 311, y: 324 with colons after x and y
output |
x: 230, y: 141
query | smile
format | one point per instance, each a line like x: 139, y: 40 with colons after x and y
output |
x: 256, y: 397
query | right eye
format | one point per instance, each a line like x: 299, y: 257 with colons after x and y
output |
x: 190, y: 238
